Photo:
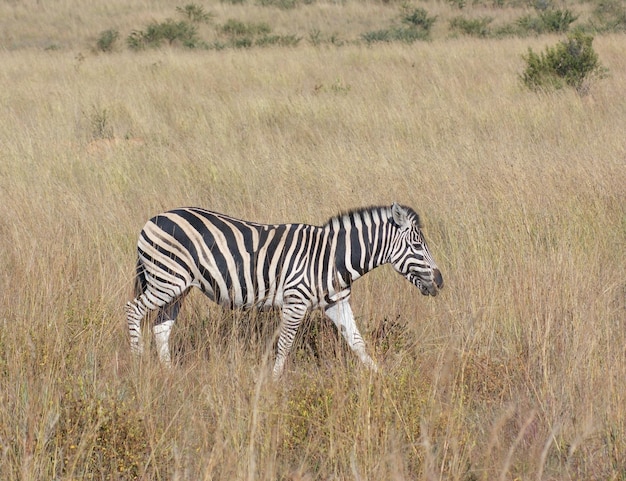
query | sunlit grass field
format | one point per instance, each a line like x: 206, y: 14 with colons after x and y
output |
x: 516, y: 370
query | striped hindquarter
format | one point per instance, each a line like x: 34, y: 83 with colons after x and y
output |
x: 295, y: 267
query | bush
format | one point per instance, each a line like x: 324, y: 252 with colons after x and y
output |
x: 611, y: 14
x: 460, y: 4
x: 557, y: 20
x: 280, y: 40
x: 375, y: 36
x: 184, y: 32
x: 530, y: 24
x: 195, y: 13
x: 475, y: 27
x: 236, y: 28
x: 416, y: 26
x: 171, y: 31
x: 247, y: 35
x: 418, y: 19
x: 548, y: 20
x: 394, y: 34
x: 571, y: 62
x: 106, y: 40
x: 282, y: 4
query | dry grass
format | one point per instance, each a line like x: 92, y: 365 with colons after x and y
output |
x: 515, y: 372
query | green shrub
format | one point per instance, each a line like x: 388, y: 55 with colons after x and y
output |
x: 282, y: 4
x: 249, y: 34
x: 557, y: 20
x: 475, y: 27
x: 195, y: 13
x: 236, y: 28
x: 571, y: 62
x: 170, y: 31
x: 530, y: 24
x: 547, y: 21
x: 611, y: 15
x: 242, y: 42
x: 375, y: 36
x: 280, y: 40
x: 416, y: 26
x: 394, y: 34
x: 506, y: 30
x: 106, y: 40
x: 315, y: 37
x: 460, y: 4
x: 418, y: 19
x: 100, y: 124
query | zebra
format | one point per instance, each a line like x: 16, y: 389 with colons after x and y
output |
x: 295, y: 267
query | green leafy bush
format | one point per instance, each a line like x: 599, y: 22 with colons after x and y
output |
x: 416, y: 25
x: 169, y: 31
x: 237, y: 28
x: 195, y: 13
x: 475, y: 27
x: 571, y: 62
x: 249, y: 34
x: 547, y: 21
x: 460, y: 4
x: 557, y: 20
x: 611, y: 15
x: 280, y: 40
x: 529, y: 24
x: 100, y: 123
x: 184, y: 32
x: 282, y: 4
x: 106, y: 40
x: 418, y: 19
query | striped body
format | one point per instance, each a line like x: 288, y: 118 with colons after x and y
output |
x: 295, y: 267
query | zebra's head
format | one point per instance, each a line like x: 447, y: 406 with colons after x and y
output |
x: 410, y: 255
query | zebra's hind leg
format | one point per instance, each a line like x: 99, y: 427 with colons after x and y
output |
x: 135, y: 312
x: 163, y: 328
x: 291, y: 318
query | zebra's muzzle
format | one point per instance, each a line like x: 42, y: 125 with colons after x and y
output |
x: 438, y: 278
x: 428, y: 287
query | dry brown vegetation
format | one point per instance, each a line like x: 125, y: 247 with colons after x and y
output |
x: 516, y: 371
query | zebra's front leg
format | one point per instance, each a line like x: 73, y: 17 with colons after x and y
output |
x: 163, y: 328
x: 292, y: 316
x: 161, y: 336
x: 341, y: 314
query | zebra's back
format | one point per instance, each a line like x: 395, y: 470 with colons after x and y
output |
x: 235, y: 262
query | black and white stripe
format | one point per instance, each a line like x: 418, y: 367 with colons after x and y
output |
x: 295, y: 267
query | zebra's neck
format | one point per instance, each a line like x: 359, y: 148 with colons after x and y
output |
x: 361, y: 241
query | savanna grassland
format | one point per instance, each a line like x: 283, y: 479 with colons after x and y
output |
x: 517, y: 370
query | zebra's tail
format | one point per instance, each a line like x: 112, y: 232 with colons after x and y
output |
x: 140, y: 279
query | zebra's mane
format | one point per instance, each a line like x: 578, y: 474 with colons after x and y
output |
x: 383, y: 210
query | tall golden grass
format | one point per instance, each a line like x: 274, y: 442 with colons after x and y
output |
x: 516, y: 371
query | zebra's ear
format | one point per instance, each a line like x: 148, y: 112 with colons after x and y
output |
x: 400, y: 216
